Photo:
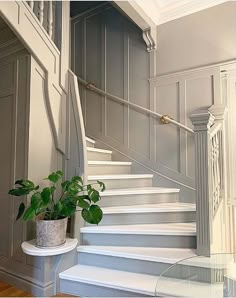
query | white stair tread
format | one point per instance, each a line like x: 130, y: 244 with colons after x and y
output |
x: 181, y: 229
x: 109, y: 163
x: 90, y: 140
x: 186, y: 256
x: 119, y: 176
x: 146, y: 208
x: 121, y: 280
x: 154, y: 254
x: 137, y: 191
x: 91, y: 149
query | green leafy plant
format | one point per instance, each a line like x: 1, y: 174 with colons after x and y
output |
x: 73, y: 194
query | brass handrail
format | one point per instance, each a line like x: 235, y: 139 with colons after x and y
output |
x: 165, y: 119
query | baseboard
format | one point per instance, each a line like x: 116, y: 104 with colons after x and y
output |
x: 27, y: 285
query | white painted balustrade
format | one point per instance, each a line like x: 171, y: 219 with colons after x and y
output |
x: 45, y: 12
x: 209, y: 175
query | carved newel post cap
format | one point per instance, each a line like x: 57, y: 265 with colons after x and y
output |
x: 202, y: 120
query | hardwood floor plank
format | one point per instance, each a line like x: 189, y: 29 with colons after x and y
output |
x: 7, y: 290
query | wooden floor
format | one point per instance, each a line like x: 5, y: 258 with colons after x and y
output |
x: 7, y: 290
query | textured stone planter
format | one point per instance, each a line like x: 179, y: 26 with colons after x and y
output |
x: 51, y: 233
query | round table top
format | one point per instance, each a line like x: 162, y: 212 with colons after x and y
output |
x: 30, y: 248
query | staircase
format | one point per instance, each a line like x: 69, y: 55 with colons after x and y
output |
x: 144, y: 230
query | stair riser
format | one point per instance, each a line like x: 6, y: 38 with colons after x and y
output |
x: 106, y: 170
x: 199, y: 274
x: 89, y: 144
x: 139, y: 240
x: 124, y: 183
x: 124, y: 264
x: 98, y: 156
x: 85, y: 289
x: 147, y: 218
x: 126, y: 200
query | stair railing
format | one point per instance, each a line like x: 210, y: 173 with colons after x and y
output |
x: 163, y: 118
x: 210, y: 177
x: 81, y: 169
x: 210, y: 174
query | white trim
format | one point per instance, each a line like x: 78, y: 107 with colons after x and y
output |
x: 108, y: 163
x: 173, y: 229
x: 151, y: 208
x: 138, y: 191
x: 120, y: 177
x: 91, y: 149
x: 90, y: 140
x: 29, y: 248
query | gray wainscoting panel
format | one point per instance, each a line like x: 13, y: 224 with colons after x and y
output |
x: 115, y: 59
x: 93, y: 70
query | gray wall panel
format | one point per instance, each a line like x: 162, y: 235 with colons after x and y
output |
x: 124, y: 70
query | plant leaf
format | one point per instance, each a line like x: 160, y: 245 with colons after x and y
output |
x: 65, y: 185
x: 77, y: 179
x: 102, y: 185
x: 25, y: 183
x: 94, y: 195
x: 73, y: 188
x: 21, y: 191
x: 29, y: 214
x: 93, y: 215
x: 20, y: 210
x: 83, y: 204
x: 36, y: 200
x: 59, y: 173
x: 67, y: 209
x: 46, y: 195
x: 55, y: 176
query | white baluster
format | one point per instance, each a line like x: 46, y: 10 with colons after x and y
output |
x: 31, y: 4
x: 41, y: 12
x: 50, y: 18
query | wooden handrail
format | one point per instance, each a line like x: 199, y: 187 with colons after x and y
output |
x: 92, y: 87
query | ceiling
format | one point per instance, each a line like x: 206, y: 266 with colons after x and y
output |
x: 159, y: 11
x: 162, y: 11
x: 77, y: 7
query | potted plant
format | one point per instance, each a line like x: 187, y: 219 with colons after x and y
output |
x: 53, y: 205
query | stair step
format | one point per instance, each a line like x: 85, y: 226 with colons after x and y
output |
x: 123, y: 181
x: 152, y: 254
x: 136, y: 191
x: 144, y: 260
x: 149, y: 214
x: 179, y: 235
x: 136, y: 196
x: 90, y: 142
x: 150, y: 208
x: 81, y: 280
x: 98, y: 154
x: 177, y: 229
x: 108, y: 167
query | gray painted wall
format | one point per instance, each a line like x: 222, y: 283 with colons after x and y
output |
x: 202, y: 38
x: 108, y: 50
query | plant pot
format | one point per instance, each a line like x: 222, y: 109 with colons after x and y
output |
x: 51, y: 233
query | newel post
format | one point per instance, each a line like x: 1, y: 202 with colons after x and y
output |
x: 202, y: 122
